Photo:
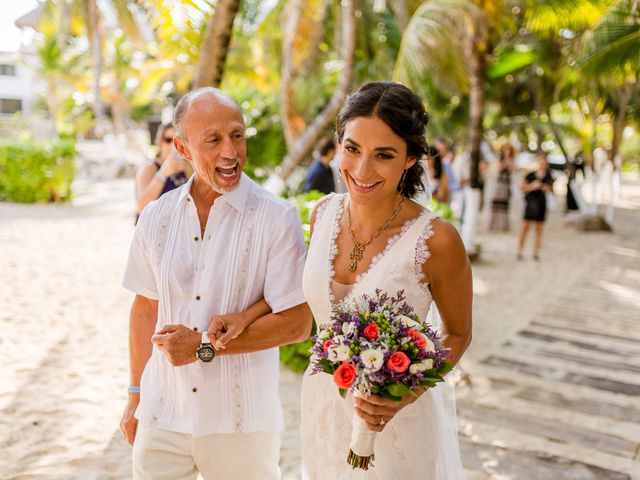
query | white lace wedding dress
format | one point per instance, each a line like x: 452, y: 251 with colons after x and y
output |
x: 420, y: 442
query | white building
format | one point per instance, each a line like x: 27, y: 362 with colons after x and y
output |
x: 16, y: 84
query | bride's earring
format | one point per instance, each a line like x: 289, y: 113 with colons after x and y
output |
x: 401, y: 184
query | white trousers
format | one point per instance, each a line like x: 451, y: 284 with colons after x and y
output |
x: 164, y: 455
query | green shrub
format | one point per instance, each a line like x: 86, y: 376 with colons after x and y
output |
x: 296, y: 356
x: 36, y: 172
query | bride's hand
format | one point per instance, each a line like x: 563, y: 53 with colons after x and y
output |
x: 377, y: 411
x: 224, y: 328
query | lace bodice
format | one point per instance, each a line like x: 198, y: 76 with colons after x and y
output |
x: 392, y: 269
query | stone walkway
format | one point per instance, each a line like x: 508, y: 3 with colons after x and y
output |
x: 560, y: 399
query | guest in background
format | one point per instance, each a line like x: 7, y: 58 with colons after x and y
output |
x: 535, y: 186
x: 502, y: 194
x: 161, y: 175
x: 320, y: 176
x: 438, y: 181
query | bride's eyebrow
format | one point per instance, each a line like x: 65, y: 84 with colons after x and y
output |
x: 380, y: 149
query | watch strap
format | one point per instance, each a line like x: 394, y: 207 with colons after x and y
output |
x: 205, y: 338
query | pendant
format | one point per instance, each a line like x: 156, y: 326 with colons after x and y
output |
x: 356, y: 255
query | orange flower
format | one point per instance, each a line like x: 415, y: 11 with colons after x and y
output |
x: 398, y: 362
x: 371, y: 331
x: 345, y: 375
x: 417, y: 337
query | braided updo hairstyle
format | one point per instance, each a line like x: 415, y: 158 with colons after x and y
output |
x: 403, y: 112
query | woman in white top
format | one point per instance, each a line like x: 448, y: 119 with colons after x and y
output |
x: 381, y: 138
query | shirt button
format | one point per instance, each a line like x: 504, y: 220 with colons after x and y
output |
x: 196, y: 238
x: 195, y: 329
x: 197, y: 297
x: 194, y: 389
x: 188, y: 199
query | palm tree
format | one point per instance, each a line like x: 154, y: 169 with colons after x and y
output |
x: 215, y: 46
x: 450, y: 41
x: 308, y: 137
x: 611, y: 50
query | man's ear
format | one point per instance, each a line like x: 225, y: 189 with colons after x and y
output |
x: 182, y: 148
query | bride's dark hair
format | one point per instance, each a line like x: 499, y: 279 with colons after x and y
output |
x: 403, y: 111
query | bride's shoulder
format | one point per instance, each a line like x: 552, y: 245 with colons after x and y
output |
x: 321, y: 206
x: 441, y: 239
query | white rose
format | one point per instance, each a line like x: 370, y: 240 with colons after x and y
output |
x: 323, y: 334
x: 430, y: 346
x: 372, y: 359
x: 408, y: 322
x: 423, y: 366
x: 349, y: 328
x: 338, y: 353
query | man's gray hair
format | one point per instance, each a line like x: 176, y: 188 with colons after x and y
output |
x: 187, y: 99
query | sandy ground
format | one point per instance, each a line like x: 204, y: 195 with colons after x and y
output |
x: 63, y: 318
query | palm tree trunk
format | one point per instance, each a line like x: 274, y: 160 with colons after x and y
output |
x: 215, y: 47
x: 292, y: 14
x: 619, y: 122
x: 476, y: 107
x: 309, y: 137
x: 95, y: 43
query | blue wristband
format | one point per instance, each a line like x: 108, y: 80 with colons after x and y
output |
x: 133, y: 389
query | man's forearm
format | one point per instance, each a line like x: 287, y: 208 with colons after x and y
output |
x: 272, y: 330
x: 142, y: 323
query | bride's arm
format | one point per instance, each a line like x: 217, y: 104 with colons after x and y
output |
x: 449, y: 275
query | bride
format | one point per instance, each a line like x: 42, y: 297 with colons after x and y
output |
x: 376, y: 237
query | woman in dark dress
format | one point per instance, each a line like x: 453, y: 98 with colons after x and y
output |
x: 163, y: 173
x: 535, y: 186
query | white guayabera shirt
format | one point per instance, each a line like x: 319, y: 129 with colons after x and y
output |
x: 252, y: 248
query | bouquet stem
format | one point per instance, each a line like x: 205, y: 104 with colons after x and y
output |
x: 362, y: 442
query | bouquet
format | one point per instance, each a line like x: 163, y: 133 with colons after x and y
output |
x: 377, y: 345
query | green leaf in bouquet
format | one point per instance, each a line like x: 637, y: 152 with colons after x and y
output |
x: 386, y: 394
x: 446, y: 368
x: 399, y: 390
x: 327, y: 366
x: 343, y: 392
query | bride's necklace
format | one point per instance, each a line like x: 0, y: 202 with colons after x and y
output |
x: 357, y: 252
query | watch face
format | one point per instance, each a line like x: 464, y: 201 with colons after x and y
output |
x: 206, y: 353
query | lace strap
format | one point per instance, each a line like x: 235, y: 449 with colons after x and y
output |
x: 422, y: 252
x: 323, y: 203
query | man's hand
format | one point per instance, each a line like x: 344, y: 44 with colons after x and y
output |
x: 178, y: 342
x: 224, y: 328
x: 129, y: 423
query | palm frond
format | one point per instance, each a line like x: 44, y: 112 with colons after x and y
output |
x: 612, y: 46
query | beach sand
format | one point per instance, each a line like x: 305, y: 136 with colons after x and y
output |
x: 64, y: 326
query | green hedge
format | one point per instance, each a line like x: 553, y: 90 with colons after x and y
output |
x: 36, y: 172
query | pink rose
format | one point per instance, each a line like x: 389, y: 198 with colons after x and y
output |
x: 345, y: 375
x: 326, y: 345
x: 398, y: 362
x: 417, y: 337
x: 371, y: 331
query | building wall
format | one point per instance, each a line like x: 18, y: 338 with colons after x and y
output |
x: 16, y: 84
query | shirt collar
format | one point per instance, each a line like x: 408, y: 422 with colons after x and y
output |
x: 237, y: 198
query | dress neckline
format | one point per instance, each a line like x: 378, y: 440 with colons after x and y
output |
x: 333, y: 249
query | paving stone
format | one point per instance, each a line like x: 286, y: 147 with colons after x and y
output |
x: 505, y: 463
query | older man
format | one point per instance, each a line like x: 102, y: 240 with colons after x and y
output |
x: 218, y: 253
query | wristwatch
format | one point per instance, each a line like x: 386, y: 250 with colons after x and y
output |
x: 205, y: 351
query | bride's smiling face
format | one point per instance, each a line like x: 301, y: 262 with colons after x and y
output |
x: 372, y: 159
